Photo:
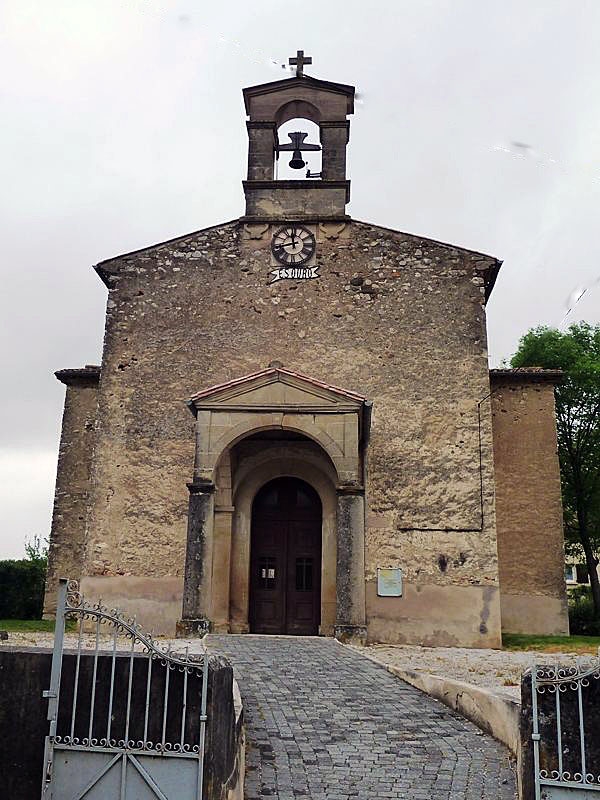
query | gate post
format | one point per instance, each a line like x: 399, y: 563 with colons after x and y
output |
x: 350, y: 625
x: 197, y: 588
x: 53, y: 692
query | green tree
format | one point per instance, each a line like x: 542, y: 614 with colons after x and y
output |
x: 576, y: 352
x: 36, y: 550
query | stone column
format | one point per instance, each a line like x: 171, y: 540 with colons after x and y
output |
x: 350, y: 625
x: 197, y: 582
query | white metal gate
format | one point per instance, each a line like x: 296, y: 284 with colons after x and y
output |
x: 124, y: 724
x: 565, y: 735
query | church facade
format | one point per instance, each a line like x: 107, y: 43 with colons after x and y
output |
x: 294, y: 428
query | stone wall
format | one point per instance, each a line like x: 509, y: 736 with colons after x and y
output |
x: 67, y: 538
x: 285, y: 199
x: 528, y: 505
x: 397, y: 318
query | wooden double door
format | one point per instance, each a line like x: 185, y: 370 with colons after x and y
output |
x: 285, y: 559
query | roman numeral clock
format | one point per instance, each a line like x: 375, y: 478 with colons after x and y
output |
x: 294, y: 246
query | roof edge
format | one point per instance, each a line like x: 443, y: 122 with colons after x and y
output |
x: 273, y: 86
x: 99, y: 267
x: 428, y: 239
x: 491, y: 272
x: 273, y: 371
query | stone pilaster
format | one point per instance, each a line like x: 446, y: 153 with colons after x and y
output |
x: 261, y: 150
x: 66, y: 555
x: 196, y: 612
x: 221, y: 572
x: 350, y: 623
x: 334, y: 138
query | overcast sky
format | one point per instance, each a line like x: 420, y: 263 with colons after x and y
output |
x: 122, y: 125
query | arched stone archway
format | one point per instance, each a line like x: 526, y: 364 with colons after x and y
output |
x: 295, y: 423
x: 266, y: 425
x: 297, y: 109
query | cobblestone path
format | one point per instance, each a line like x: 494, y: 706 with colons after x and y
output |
x: 325, y: 723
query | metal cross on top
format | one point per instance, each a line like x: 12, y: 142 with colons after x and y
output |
x: 299, y: 61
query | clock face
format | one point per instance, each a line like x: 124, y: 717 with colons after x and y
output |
x: 293, y: 244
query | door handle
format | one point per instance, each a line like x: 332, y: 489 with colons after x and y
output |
x: 267, y: 573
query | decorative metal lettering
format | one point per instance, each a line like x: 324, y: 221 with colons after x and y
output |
x: 294, y: 273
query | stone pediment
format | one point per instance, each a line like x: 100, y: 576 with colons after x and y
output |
x: 298, y: 88
x: 276, y: 389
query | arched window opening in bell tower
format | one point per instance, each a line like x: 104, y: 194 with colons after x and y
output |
x: 305, y: 163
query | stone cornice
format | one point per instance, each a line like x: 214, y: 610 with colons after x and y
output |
x: 527, y: 375
x: 82, y: 376
x: 199, y: 486
x: 350, y: 489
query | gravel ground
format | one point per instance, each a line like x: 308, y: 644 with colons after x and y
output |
x: 88, y: 641
x: 499, y: 670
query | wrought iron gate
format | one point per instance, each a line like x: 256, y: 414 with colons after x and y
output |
x: 566, y: 742
x: 124, y: 724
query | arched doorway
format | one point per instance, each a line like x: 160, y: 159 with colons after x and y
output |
x: 285, y: 559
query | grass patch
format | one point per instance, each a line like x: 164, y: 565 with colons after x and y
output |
x: 34, y: 625
x: 27, y: 625
x: 551, y: 644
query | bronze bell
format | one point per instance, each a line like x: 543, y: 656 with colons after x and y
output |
x: 297, y: 145
x: 296, y: 161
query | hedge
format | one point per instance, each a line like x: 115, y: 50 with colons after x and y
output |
x: 582, y: 615
x: 22, y: 589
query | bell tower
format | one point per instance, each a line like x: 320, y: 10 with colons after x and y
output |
x: 315, y: 196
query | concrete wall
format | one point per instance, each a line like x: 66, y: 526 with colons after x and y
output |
x: 24, y: 675
x: 67, y: 538
x: 225, y: 745
x: 435, y: 615
x: 397, y: 318
x: 528, y: 506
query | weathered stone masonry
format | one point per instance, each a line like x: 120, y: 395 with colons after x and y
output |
x: 67, y: 536
x: 394, y: 324
x: 378, y: 314
x: 530, y: 545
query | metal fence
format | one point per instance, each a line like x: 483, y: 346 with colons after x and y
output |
x: 124, y: 723
x: 566, y: 731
